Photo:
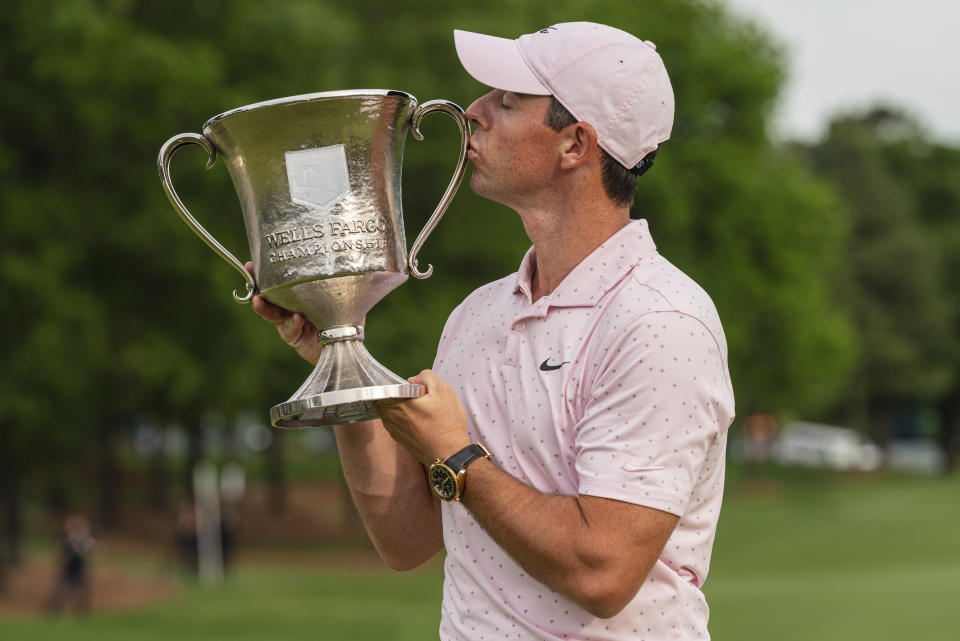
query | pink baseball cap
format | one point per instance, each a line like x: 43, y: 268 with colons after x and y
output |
x: 602, y: 75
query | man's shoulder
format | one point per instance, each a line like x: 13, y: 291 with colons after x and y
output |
x: 492, y: 293
x: 655, y: 300
x: 663, y: 315
x: 472, y: 321
x: 660, y: 286
x: 475, y: 309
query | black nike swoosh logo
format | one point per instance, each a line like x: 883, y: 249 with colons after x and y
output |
x: 545, y: 366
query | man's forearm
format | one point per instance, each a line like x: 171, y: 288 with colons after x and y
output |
x: 389, y: 488
x: 566, y: 542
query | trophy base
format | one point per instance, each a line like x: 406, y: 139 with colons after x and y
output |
x: 342, y: 388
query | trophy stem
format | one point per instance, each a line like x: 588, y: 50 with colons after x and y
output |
x: 343, y: 386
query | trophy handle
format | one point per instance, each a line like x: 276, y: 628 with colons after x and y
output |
x: 163, y: 166
x: 457, y: 114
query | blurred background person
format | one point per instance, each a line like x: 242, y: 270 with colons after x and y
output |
x: 73, y: 570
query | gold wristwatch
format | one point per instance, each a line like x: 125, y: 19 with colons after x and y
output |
x: 448, y: 478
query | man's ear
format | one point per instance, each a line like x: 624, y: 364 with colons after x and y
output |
x: 578, y: 146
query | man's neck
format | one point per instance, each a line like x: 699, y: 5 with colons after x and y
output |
x: 562, y: 239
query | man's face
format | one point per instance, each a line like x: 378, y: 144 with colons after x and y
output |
x: 514, y: 153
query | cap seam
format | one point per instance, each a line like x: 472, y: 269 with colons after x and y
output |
x: 630, y: 100
x: 622, y: 110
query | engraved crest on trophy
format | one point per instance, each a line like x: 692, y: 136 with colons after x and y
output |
x: 318, y: 177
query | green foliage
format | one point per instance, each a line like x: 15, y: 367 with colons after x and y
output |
x: 899, y: 271
x: 120, y: 310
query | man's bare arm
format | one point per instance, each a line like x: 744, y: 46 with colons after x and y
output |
x: 594, y: 550
x: 387, y: 483
x: 390, y: 490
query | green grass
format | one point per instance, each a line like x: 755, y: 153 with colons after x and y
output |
x: 825, y: 558
x: 262, y: 604
x: 807, y: 557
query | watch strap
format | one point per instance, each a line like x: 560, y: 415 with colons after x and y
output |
x: 459, y: 461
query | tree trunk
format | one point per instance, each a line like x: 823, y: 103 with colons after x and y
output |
x: 57, y: 497
x: 949, y: 409
x: 881, y: 425
x: 276, y: 474
x: 13, y: 520
x: 158, y: 481
x: 194, y: 452
x: 11, y: 505
x: 108, y: 476
x: 858, y: 406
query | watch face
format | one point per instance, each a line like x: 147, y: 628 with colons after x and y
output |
x: 443, y: 482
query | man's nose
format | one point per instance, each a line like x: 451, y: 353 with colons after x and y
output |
x: 475, y: 113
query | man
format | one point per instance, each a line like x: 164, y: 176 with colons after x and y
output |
x: 73, y: 579
x: 595, y: 376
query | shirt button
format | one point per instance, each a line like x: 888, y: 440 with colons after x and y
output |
x: 520, y: 326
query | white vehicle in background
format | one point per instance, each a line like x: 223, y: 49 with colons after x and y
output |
x: 818, y: 445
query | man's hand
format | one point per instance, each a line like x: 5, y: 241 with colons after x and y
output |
x: 430, y: 427
x: 294, y: 329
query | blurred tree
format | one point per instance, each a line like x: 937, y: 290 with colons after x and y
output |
x: 900, y: 271
x: 117, y: 308
x: 104, y: 277
x: 933, y: 169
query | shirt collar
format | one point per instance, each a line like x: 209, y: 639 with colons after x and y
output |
x: 603, y: 268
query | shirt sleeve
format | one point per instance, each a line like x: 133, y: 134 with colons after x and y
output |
x: 659, y: 399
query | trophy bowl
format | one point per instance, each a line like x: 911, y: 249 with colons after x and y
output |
x: 319, y: 182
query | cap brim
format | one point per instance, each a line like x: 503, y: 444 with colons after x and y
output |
x: 496, y: 62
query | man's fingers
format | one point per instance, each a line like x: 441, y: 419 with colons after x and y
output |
x: 427, y: 377
x: 289, y: 325
x: 291, y: 329
x: 268, y: 311
x: 430, y: 380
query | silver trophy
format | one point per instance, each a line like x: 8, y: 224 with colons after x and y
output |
x: 318, y: 177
